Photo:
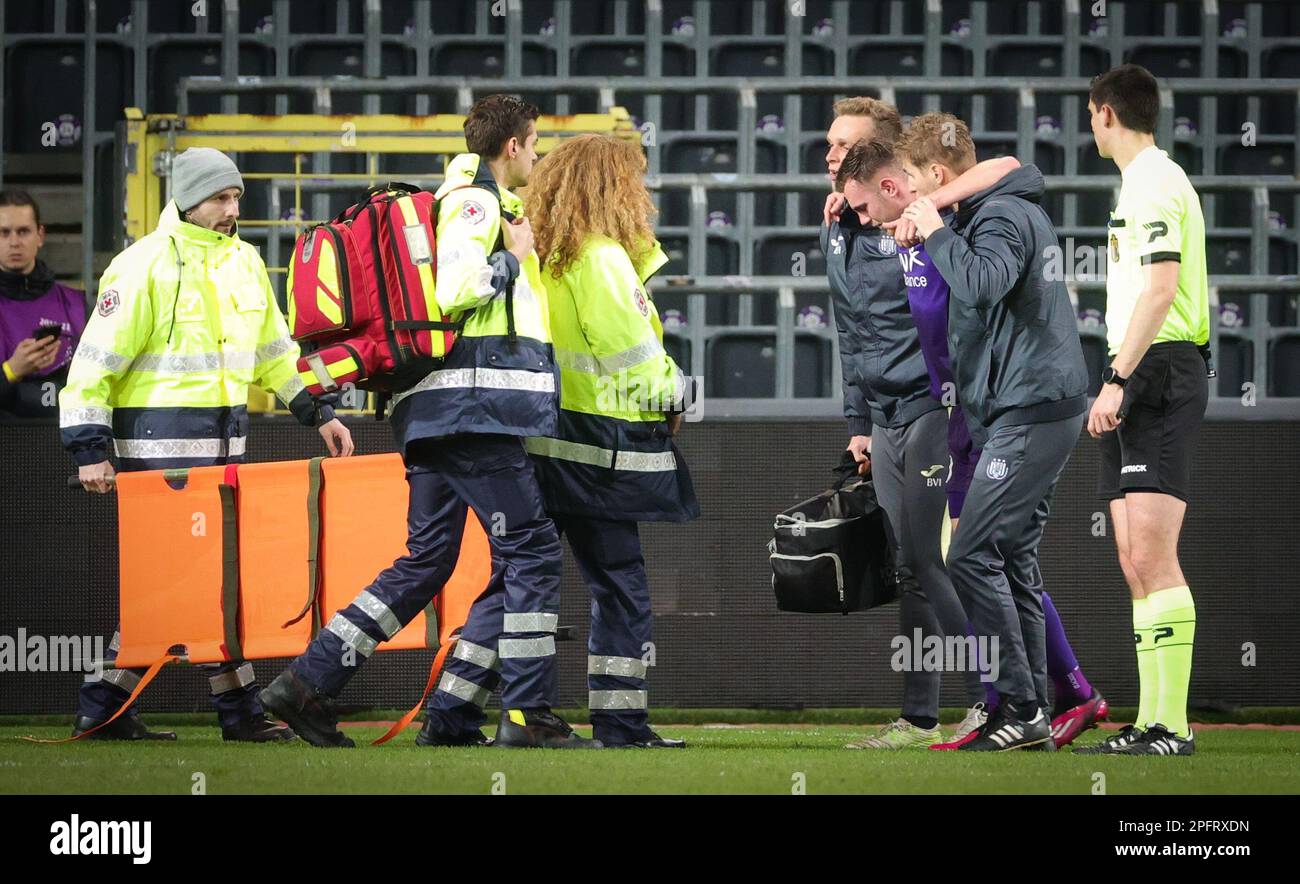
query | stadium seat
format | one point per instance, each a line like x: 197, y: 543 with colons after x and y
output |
x: 488, y: 60
x: 906, y: 60
x: 677, y: 250
x: 253, y: 13
x: 1189, y: 156
x: 395, y: 16
x: 628, y: 59
x: 671, y: 299
x: 738, y: 18
x: 1234, y: 362
x: 594, y: 17
x: 700, y: 156
x: 28, y: 18
x: 1281, y: 18
x: 1019, y: 60
x: 749, y: 60
x: 812, y: 310
x: 1284, y: 366
x: 1013, y: 18
x: 812, y: 156
x: 60, y: 71
x: 1148, y: 19
x: 177, y: 18
x: 1224, y: 254
x: 609, y: 60
x: 679, y: 348
x: 817, y: 111
x: 108, y: 15
x: 333, y: 60
x: 1095, y: 205
x: 1096, y: 358
x: 108, y: 213
x: 1174, y: 61
x: 1281, y: 256
x: 1279, y: 110
x: 873, y: 17
x: 812, y: 366
x: 171, y: 62
x: 1233, y: 208
x: 722, y: 258
x: 777, y: 255
x: 741, y: 366
x: 322, y: 18
x: 396, y: 164
x: 912, y: 103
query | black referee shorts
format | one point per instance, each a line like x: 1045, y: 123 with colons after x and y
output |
x: 1164, y: 404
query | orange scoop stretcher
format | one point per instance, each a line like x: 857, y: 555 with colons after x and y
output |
x: 246, y: 562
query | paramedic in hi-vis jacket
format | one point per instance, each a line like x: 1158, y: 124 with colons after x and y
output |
x: 611, y: 462
x: 460, y: 432
x: 186, y: 320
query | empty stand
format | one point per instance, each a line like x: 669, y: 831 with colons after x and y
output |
x: 144, y: 48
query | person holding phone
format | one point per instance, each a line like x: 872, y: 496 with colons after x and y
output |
x: 40, y: 320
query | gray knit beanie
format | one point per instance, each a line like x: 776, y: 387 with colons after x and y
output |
x: 200, y: 172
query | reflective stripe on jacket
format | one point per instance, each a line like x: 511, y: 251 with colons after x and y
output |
x: 185, y: 321
x: 489, y: 382
x: 612, y: 456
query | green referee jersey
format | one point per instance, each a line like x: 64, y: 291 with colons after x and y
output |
x: 1158, y: 219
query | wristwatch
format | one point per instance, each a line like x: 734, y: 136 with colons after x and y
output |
x: 1111, y: 376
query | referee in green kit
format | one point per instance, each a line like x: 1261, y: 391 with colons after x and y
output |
x: 1153, y: 398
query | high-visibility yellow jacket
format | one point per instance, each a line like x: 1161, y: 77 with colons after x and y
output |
x: 185, y: 321
x: 491, y: 381
x: 612, y: 456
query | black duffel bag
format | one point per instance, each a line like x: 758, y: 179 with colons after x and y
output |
x: 830, y: 554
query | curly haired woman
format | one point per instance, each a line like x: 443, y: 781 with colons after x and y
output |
x: 612, y: 462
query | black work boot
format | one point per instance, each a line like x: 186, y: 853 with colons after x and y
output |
x: 538, y: 729
x: 310, y: 713
x: 431, y: 736
x: 258, y: 729
x: 647, y: 740
x: 126, y: 727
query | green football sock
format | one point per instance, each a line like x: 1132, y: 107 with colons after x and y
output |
x: 1173, y: 620
x: 1148, y: 674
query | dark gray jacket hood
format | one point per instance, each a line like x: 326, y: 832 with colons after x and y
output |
x: 1012, y: 330
x: 1025, y: 182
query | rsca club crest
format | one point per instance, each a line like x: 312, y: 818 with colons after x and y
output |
x: 888, y: 246
x: 997, y: 469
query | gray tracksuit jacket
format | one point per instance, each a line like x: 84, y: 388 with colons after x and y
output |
x: 1012, y: 331
x: 885, y: 380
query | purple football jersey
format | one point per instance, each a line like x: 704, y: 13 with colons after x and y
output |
x: 927, y: 295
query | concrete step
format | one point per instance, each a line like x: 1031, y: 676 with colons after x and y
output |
x: 48, y: 164
x: 61, y: 204
x: 63, y: 253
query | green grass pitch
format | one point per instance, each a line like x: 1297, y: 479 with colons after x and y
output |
x: 773, y: 758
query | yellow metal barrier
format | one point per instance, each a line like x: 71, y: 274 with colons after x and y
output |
x: 153, y: 139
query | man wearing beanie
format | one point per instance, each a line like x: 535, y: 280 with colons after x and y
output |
x: 186, y: 320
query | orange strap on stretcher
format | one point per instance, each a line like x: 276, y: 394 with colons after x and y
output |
x: 154, y: 668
